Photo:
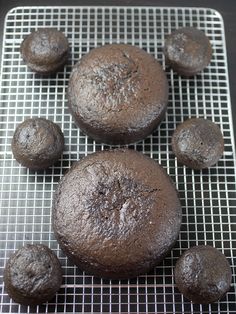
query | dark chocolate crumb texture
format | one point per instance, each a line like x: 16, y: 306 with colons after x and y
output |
x: 116, y: 214
x: 118, y: 94
x: 32, y: 275
x: 187, y: 51
x: 37, y: 143
x: 45, y: 51
x: 198, y: 143
x: 203, y: 274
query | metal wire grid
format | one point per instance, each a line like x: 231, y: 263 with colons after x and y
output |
x: 208, y: 197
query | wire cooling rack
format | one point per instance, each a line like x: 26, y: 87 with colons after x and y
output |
x: 208, y: 197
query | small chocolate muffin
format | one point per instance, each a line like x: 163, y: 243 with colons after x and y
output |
x: 45, y: 51
x: 37, y: 143
x: 187, y: 51
x: 118, y: 94
x: 198, y: 143
x: 116, y: 214
x: 203, y: 274
x: 32, y: 275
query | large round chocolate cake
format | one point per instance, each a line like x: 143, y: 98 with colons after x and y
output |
x: 118, y: 94
x: 116, y: 213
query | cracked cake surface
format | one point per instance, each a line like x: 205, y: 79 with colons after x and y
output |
x: 116, y: 213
